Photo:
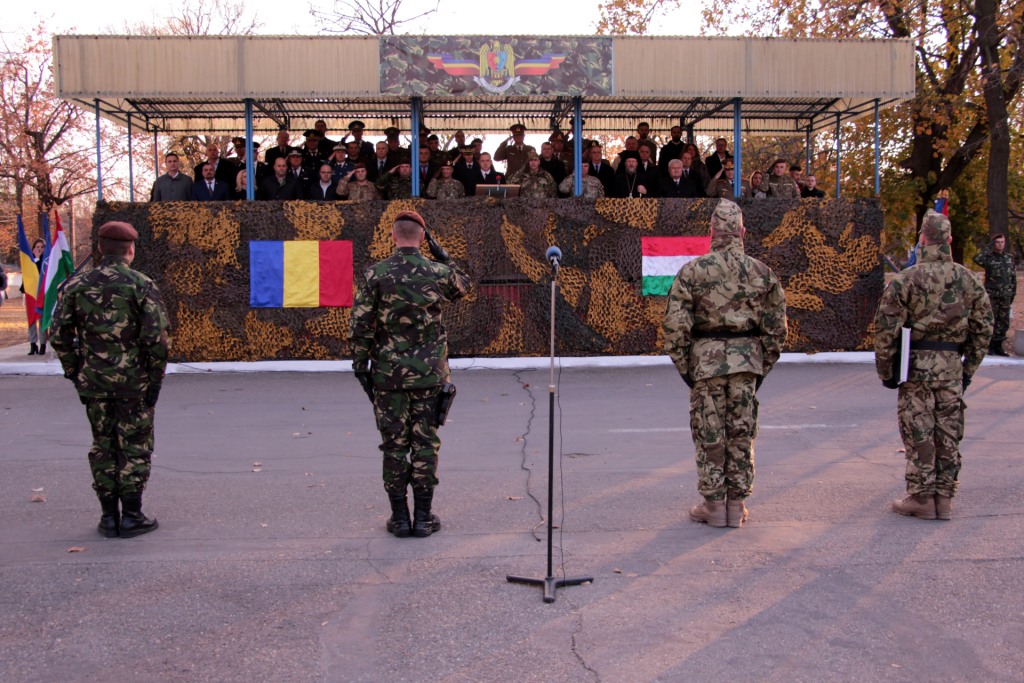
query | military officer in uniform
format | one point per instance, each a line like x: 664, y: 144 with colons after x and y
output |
x: 400, y: 356
x: 110, y: 334
x: 444, y: 186
x: 724, y: 329
x: 397, y: 182
x: 1001, y: 285
x: 534, y: 181
x: 515, y: 154
x: 592, y: 187
x: 950, y: 321
x: 355, y: 187
x: 778, y: 183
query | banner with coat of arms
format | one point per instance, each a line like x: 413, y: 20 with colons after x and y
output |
x: 496, y: 66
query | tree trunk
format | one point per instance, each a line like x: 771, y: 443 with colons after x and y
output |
x: 997, y: 185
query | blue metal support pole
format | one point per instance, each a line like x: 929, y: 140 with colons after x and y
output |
x: 878, y: 153
x: 99, y: 157
x: 577, y: 145
x: 250, y: 161
x: 131, y: 167
x: 737, y: 147
x: 807, y: 151
x: 839, y: 155
x: 414, y: 153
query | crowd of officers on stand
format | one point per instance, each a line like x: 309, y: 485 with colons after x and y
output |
x: 356, y: 169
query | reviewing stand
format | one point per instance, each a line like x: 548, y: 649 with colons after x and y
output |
x: 549, y: 582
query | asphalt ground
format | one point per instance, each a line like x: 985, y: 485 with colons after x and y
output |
x: 271, y: 562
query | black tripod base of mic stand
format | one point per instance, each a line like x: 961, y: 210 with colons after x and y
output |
x: 550, y: 583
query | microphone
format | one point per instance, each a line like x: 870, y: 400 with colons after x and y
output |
x: 554, y: 255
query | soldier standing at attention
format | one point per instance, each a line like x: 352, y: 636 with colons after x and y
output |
x: 400, y: 356
x: 110, y: 334
x: 514, y: 155
x: 724, y: 329
x: 948, y: 313
x: 1001, y: 285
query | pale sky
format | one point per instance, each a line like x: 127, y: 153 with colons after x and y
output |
x: 454, y: 17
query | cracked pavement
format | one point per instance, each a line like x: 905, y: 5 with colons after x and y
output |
x: 287, y: 574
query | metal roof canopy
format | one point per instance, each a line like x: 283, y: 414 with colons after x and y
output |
x: 200, y: 85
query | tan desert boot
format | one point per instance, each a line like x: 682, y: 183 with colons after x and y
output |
x: 943, y: 507
x: 922, y: 507
x: 710, y: 511
x: 736, y: 513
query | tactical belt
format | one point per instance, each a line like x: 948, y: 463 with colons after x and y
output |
x: 722, y: 334
x: 923, y: 345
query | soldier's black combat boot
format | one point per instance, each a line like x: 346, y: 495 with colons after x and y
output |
x: 110, y: 520
x: 400, y: 525
x: 33, y: 349
x: 133, y: 522
x: 424, y: 523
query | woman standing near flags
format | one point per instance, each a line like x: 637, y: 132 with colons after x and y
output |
x: 36, y: 333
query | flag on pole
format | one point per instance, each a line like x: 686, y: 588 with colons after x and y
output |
x: 300, y: 274
x: 59, y: 267
x: 662, y: 257
x: 29, y: 274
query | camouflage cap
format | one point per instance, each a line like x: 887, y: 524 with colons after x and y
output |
x: 530, y: 156
x: 116, y: 230
x: 935, y: 227
x: 727, y: 219
x: 412, y: 216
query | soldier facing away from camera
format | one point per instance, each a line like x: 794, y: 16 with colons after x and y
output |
x: 724, y: 329
x: 110, y: 334
x: 400, y: 357
x: 950, y: 319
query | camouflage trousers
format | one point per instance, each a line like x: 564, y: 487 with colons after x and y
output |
x: 122, y: 444
x: 931, y: 416
x: 723, y: 422
x: 408, y: 430
x: 1001, y: 313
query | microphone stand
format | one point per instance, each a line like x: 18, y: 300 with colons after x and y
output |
x: 549, y: 582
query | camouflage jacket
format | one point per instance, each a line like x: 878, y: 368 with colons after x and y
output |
x: 725, y: 291
x: 110, y: 331
x: 396, y: 320
x: 539, y: 185
x: 939, y: 301
x: 356, y: 192
x: 1000, y: 276
x: 439, y: 188
x: 592, y: 187
x: 394, y: 186
x: 780, y: 186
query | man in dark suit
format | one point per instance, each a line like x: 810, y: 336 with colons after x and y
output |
x: 279, y: 185
x: 715, y: 162
x: 427, y: 169
x: 324, y: 187
x: 297, y: 170
x: 671, y: 150
x: 482, y: 173
x: 224, y: 170
x: 379, y: 164
x: 601, y: 169
x: 680, y: 184
x: 208, y: 188
x: 465, y: 168
x: 280, y: 151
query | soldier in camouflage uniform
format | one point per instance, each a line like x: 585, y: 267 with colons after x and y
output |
x: 948, y: 313
x: 397, y: 182
x: 592, y: 186
x: 400, y: 356
x: 355, y: 187
x: 778, y: 183
x: 1001, y: 285
x: 110, y: 334
x: 446, y: 187
x: 724, y: 329
x: 534, y: 181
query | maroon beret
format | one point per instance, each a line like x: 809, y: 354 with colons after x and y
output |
x: 116, y: 230
x: 411, y: 216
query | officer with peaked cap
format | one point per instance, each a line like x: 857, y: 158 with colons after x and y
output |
x: 512, y: 150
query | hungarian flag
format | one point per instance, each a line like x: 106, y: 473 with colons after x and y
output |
x: 59, y: 267
x: 29, y: 274
x: 300, y: 274
x: 664, y: 256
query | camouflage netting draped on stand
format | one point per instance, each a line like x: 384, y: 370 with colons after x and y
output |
x: 824, y: 252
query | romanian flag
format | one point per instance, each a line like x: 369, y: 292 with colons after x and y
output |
x: 300, y: 274
x: 29, y: 274
x: 664, y: 256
